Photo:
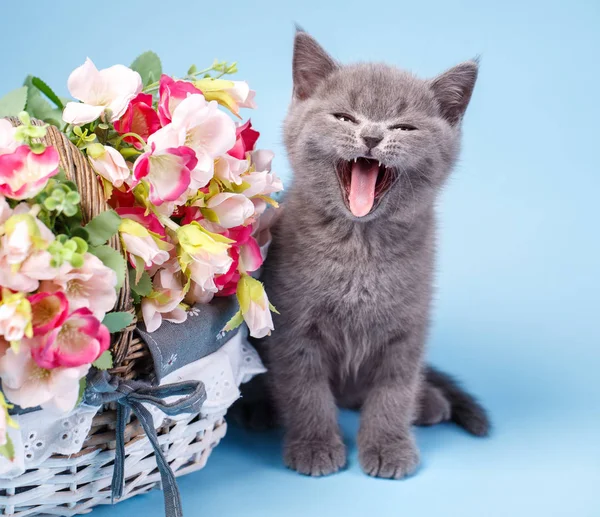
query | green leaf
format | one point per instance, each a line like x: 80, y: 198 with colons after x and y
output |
x: 104, y: 362
x: 102, y: 227
x: 47, y: 91
x: 7, y: 450
x: 144, y: 286
x: 210, y: 215
x: 40, y: 108
x: 111, y: 258
x: 234, y: 322
x: 148, y: 66
x: 82, y: 386
x: 13, y: 102
x: 117, y: 321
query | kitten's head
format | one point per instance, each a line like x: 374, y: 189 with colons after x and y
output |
x: 366, y: 140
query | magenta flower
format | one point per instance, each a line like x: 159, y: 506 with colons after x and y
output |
x: 246, y: 138
x: 23, y: 173
x: 80, y: 340
x: 171, y: 94
x: 167, y: 171
x: 48, y: 311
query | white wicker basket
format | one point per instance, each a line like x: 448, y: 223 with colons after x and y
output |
x: 68, y: 486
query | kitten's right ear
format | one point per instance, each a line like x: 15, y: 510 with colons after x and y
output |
x: 311, y: 64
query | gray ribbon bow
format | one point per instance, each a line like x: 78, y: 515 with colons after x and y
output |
x: 130, y: 395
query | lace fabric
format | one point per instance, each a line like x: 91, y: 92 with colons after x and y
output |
x: 43, y: 433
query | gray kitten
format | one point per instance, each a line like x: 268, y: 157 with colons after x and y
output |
x: 351, y: 264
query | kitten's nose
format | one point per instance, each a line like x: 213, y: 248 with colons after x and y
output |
x: 372, y: 141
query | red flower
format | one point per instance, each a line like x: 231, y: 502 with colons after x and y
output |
x: 139, y: 118
x: 246, y: 140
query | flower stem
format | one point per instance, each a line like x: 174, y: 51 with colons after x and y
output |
x: 134, y: 135
x: 168, y: 222
x: 35, y: 210
x: 152, y: 87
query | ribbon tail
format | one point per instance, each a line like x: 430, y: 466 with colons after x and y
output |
x: 171, y: 491
x: 118, y: 479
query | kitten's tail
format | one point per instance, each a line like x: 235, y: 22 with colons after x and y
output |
x: 466, y: 411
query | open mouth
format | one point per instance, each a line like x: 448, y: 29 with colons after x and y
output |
x: 364, y: 182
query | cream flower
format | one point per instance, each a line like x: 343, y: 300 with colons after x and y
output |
x: 103, y: 93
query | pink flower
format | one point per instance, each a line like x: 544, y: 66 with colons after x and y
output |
x: 262, y: 184
x: 262, y: 159
x: 23, y: 173
x: 165, y: 299
x: 242, y: 95
x: 227, y: 283
x: 197, y: 294
x: 140, y: 118
x: 147, y: 220
x: 27, y: 279
x: 231, y: 209
x: 145, y: 248
x: 250, y: 257
x: 254, y: 307
x: 262, y: 181
x: 246, y: 138
x: 109, y: 163
x: 203, y: 255
x: 79, y: 341
x: 28, y: 385
x: 92, y: 286
x: 107, y: 91
x: 15, y: 316
x: 228, y: 168
x: 48, y: 311
x: 201, y: 126
x: 171, y: 94
x: 167, y: 171
x: 23, y: 259
x: 246, y: 256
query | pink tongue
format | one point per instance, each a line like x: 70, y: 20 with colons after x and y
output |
x: 362, y: 187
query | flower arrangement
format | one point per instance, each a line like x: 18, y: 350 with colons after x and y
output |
x: 187, y: 187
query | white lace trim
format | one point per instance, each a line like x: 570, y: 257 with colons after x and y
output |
x: 43, y: 433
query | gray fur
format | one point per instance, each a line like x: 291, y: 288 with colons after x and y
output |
x: 354, y: 293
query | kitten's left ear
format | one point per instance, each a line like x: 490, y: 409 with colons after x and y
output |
x: 453, y: 90
x: 311, y: 64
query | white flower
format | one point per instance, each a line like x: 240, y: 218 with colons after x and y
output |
x: 164, y: 301
x: 8, y: 144
x: 242, y: 94
x: 231, y: 209
x: 109, y: 90
x: 230, y: 169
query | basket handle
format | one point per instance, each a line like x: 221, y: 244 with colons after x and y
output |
x: 78, y: 169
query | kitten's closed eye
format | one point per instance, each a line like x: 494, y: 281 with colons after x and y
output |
x: 344, y: 117
x: 404, y: 127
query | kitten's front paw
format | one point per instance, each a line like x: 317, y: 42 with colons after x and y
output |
x: 318, y: 457
x: 394, y: 459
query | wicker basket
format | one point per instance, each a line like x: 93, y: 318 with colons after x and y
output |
x: 71, y: 485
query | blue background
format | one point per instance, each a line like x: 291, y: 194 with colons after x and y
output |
x: 517, y: 311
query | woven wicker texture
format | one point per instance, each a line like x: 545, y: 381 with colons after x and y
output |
x: 73, y: 485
